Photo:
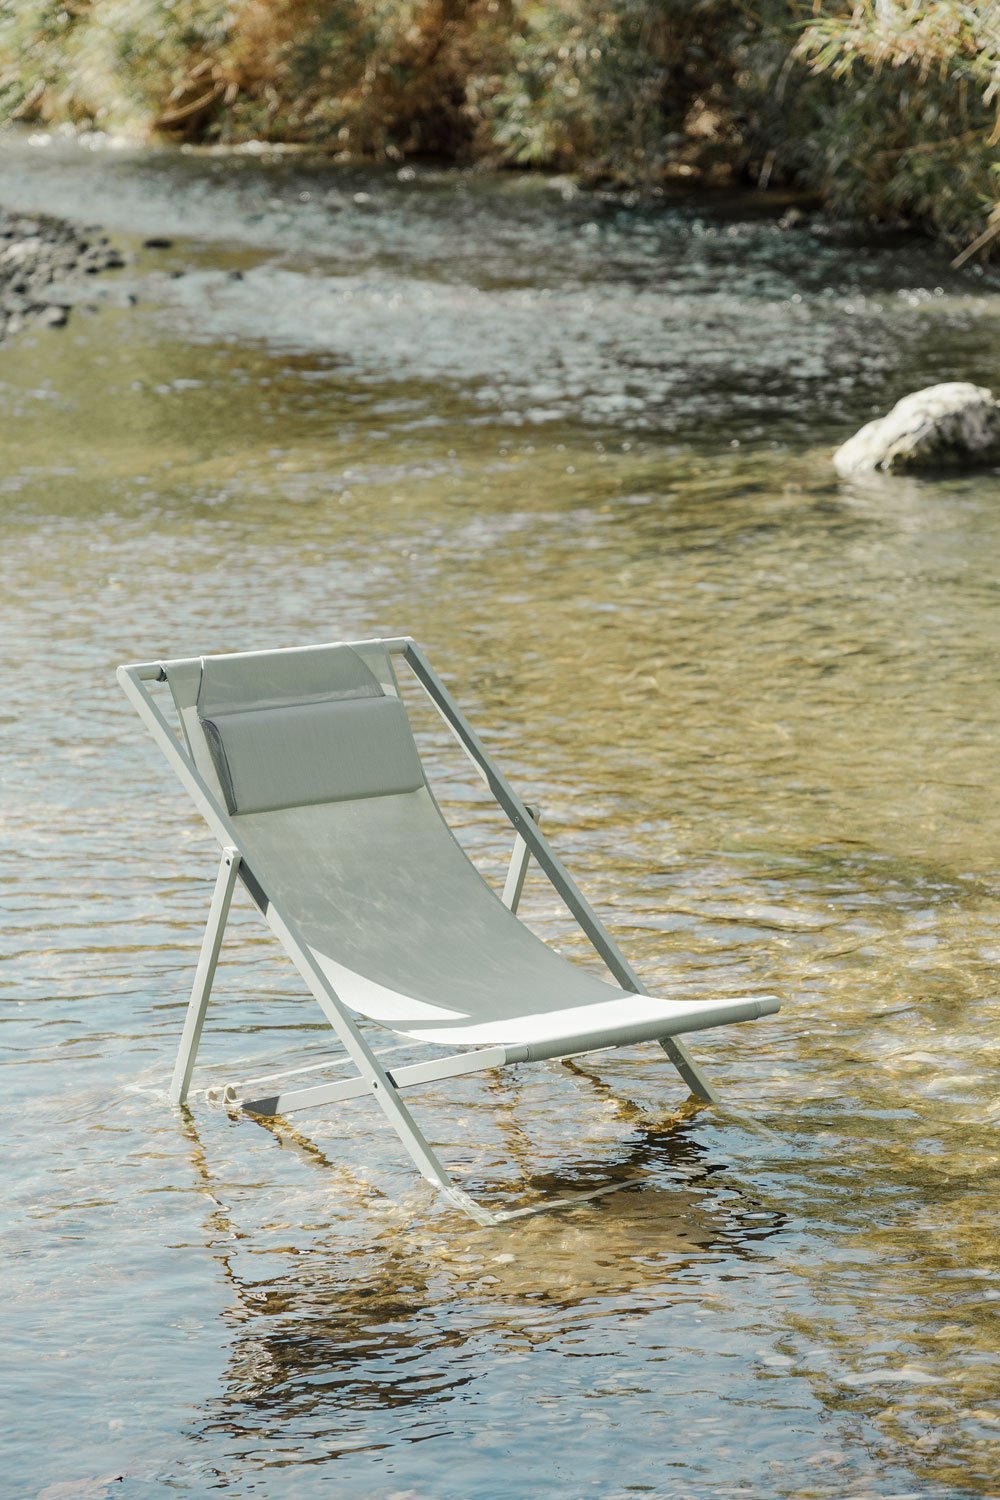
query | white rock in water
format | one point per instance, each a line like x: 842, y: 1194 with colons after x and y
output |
x: 951, y: 426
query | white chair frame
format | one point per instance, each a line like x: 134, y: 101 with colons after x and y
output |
x: 384, y: 1083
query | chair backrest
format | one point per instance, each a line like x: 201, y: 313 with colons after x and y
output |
x: 312, y: 753
x: 280, y: 729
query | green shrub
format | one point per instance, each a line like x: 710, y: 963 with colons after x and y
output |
x: 888, y: 108
x: 911, y: 126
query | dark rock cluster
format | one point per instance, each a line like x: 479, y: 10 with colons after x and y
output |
x: 38, y: 257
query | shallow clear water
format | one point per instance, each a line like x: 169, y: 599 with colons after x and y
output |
x: 581, y: 451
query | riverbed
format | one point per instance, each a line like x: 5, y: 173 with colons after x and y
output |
x: 579, y: 447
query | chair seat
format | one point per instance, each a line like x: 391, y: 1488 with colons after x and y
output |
x: 410, y: 934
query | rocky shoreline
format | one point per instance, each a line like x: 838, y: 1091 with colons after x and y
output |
x: 39, y: 257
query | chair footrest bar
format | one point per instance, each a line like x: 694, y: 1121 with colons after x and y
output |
x: 401, y: 1078
x: 699, y: 1016
x: 235, y: 1090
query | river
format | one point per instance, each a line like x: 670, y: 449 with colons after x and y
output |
x: 578, y: 446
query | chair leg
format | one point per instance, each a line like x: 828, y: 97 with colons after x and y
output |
x: 520, y: 857
x: 433, y: 1170
x: 425, y: 1158
x: 689, y: 1070
x: 204, y: 974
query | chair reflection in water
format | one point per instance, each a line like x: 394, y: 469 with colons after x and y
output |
x: 304, y: 765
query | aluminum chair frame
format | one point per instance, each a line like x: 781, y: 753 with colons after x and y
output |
x: 372, y: 1077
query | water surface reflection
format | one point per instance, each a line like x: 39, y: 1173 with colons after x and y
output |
x: 758, y: 709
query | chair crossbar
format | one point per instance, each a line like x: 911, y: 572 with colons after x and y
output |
x: 517, y: 870
x: 430, y: 1071
x: 233, y: 1090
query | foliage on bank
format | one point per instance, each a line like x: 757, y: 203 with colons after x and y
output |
x: 888, y: 108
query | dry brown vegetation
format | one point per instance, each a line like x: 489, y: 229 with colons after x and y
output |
x: 888, y: 108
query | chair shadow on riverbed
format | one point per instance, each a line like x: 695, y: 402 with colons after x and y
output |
x: 353, y: 1303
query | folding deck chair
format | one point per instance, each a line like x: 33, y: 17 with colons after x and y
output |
x: 304, y: 765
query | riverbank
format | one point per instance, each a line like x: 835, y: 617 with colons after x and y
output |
x: 40, y: 257
x: 887, y: 112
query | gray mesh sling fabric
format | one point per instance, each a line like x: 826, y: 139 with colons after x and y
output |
x: 312, y: 753
x: 317, y: 729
